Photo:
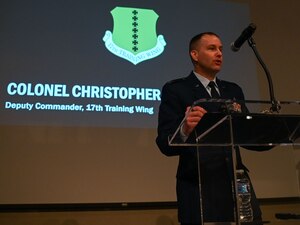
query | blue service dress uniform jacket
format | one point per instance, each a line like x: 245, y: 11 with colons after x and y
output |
x: 215, y: 162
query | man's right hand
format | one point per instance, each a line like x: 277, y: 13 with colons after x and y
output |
x: 193, y: 116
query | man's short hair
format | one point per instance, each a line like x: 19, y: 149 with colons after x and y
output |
x: 196, y: 38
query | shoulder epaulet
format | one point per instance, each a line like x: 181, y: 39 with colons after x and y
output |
x: 176, y: 80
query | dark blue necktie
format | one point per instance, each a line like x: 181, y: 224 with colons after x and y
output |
x: 213, y: 90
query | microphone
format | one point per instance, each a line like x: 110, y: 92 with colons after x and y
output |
x: 245, y: 35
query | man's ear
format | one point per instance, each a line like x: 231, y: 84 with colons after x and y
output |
x: 194, y: 55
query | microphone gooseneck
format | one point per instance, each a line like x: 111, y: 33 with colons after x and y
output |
x: 275, y: 104
x: 246, y: 35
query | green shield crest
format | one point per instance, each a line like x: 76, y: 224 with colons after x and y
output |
x: 134, y: 36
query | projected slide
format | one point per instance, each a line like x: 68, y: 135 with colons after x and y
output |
x: 80, y: 85
x: 96, y: 63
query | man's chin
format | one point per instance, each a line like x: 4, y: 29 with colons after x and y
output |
x: 217, y: 69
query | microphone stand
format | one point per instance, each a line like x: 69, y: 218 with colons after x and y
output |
x: 275, y: 104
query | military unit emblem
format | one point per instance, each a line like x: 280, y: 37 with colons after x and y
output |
x: 134, y: 36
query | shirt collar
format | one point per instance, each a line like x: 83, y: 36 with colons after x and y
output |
x: 204, y: 80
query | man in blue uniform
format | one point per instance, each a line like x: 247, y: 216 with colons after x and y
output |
x: 215, y: 162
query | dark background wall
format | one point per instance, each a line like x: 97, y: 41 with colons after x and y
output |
x: 277, y: 172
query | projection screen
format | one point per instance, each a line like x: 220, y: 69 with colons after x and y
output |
x: 80, y: 91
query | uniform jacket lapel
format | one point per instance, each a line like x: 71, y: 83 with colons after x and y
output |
x: 199, y: 90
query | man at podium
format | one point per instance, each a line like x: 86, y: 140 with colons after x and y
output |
x: 215, y: 162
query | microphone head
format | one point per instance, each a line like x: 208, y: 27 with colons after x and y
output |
x: 233, y: 48
x: 252, y: 26
x: 245, y: 35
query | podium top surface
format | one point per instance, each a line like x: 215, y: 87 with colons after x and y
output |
x: 251, y: 129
